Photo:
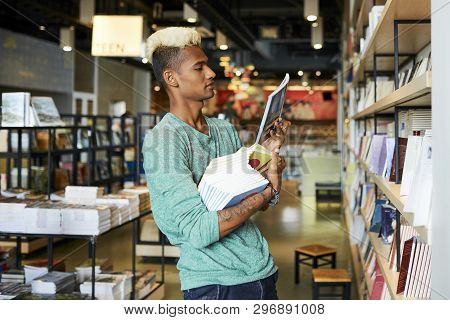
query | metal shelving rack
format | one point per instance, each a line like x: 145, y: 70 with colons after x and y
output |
x: 92, y: 244
x: 395, y: 49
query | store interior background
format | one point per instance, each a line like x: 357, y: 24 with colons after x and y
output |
x: 264, y: 40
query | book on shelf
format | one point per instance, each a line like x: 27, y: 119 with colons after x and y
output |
x: 16, y: 110
x: 10, y: 290
x: 402, y: 142
x: 84, y: 270
x: 109, y: 286
x: 12, y: 275
x: 230, y: 179
x: 420, y: 188
x: 57, y: 296
x: 54, y: 282
x: 45, y: 112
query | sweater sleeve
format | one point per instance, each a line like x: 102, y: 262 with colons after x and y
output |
x: 176, y: 203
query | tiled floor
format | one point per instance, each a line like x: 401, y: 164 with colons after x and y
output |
x: 294, y: 222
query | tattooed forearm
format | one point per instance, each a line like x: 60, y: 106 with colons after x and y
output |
x: 233, y: 217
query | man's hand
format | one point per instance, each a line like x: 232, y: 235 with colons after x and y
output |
x: 277, y: 135
x: 276, y: 167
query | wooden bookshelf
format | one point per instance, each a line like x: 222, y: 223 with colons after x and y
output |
x: 412, y: 38
x: 390, y: 276
x: 415, y: 93
x: 354, y: 250
x: 363, y: 16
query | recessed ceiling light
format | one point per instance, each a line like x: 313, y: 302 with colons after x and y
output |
x: 255, y: 73
x: 144, y: 60
x: 42, y: 28
x: 157, y: 88
x: 318, y: 73
x: 300, y: 73
x: 305, y: 83
x: 223, y: 47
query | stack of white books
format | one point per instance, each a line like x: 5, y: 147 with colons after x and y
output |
x: 133, y: 205
x: 12, y: 217
x: 42, y: 218
x: 109, y: 287
x: 85, y: 220
x: 84, y: 270
x: 123, y: 212
x: 54, y: 282
x: 230, y: 179
x: 32, y: 272
x: 82, y: 195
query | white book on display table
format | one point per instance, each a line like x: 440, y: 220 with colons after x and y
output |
x: 273, y: 109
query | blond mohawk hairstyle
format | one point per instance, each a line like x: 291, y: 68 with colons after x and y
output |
x: 173, y: 37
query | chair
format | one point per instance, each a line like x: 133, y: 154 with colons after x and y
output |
x: 331, y: 278
x: 320, y: 256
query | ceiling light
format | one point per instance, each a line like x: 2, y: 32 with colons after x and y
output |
x: 305, y: 83
x: 42, y: 28
x: 300, y: 73
x: 224, y: 64
x: 315, y: 24
x: 189, y: 13
x: 318, y: 73
x: 311, y: 10
x: 251, y: 67
x: 225, y: 58
x: 154, y: 26
x: 317, y: 35
x: 238, y: 73
x: 144, y: 60
x: 66, y: 38
x: 221, y: 41
x: 157, y: 88
x: 255, y: 73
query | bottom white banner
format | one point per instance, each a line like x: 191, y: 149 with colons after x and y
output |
x: 167, y: 309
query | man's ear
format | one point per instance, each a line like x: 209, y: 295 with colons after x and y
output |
x: 169, y: 78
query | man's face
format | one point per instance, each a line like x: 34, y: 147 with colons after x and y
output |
x: 195, y: 78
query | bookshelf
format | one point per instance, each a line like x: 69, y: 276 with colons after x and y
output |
x: 403, y: 31
x: 415, y: 93
x: 411, y: 38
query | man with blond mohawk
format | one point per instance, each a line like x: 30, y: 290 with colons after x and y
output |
x: 223, y: 255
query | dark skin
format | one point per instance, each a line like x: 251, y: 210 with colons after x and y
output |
x: 188, y: 87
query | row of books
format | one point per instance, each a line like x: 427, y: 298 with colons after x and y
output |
x: 81, y: 211
x: 39, y: 140
x: 374, y: 18
x: 19, y: 109
x: 415, y: 254
x: 415, y: 169
x: 62, y: 285
x: 362, y: 98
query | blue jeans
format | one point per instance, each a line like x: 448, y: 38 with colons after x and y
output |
x: 264, y: 289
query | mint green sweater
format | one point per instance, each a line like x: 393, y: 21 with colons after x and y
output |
x: 175, y: 158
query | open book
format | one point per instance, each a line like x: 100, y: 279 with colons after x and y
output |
x: 273, y: 110
x: 230, y: 179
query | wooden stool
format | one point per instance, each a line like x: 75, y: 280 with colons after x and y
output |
x: 331, y: 278
x: 317, y: 253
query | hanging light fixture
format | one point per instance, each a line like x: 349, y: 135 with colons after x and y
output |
x: 221, y: 41
x: 311, y: 10
x: 317, y: 35
x: 67, y: 38
x: 189, y: 13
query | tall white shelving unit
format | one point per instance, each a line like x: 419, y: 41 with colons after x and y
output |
x: 405, y: 28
